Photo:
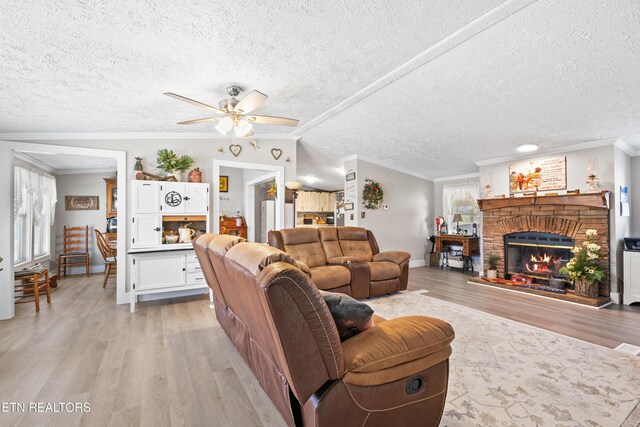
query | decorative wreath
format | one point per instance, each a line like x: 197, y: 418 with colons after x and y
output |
x: 372, y: 194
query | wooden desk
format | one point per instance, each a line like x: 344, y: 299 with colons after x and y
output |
x: 228, y: 226
x: 470, y: 248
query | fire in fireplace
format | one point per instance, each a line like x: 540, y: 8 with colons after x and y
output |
x: 538, y: 255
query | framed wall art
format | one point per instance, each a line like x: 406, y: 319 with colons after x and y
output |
x: 224, y: 184
x: 538, y: 175
x: 81, y: 203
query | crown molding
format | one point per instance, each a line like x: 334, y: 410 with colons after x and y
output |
x: 626, y: 147
x: 385, y: 165
x: 28, y: 159
x: 79, y: 171
x: 558, y: 150
x: 458, y: 177
x: 65, y: 136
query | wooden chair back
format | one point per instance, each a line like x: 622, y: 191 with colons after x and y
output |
x: 76, y: 239
x: 103, y: 246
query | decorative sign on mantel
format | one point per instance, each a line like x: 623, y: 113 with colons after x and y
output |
x: 538, y: 175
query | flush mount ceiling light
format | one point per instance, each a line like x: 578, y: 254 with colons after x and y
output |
x: 527, y: 148
x: 233, y: 114
x: 309, y: 179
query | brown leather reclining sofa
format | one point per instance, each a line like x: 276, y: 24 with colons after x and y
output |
x: 345, y: 260
x: 395, y: 373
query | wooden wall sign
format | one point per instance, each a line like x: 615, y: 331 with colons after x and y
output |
x: 81, y: 203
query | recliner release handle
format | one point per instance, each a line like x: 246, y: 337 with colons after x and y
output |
x: 414, y: 385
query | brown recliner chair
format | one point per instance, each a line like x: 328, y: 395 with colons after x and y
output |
x: 323, y: 249
x: 395, y: 373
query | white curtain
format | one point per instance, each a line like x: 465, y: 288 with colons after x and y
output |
x: 42, y: 189
x: 462, y: 199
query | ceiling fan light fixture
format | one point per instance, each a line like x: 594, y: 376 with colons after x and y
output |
x: 243, y: 127
x: 225, y: 125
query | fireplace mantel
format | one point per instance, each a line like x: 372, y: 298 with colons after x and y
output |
x: 593, y: 200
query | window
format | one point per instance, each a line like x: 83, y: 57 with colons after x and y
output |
x: 34, y: 208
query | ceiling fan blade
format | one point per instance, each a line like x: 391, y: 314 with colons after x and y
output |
x: 250, y: 102
x: 272, y: 120
x: 194, y: 121
x: 193, y: 102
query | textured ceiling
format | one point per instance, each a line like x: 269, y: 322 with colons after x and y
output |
x: 65, y: 163
x: 425, y: 86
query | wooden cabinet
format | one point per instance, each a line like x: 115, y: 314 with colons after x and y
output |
x: 229, y: 226
x: 315, y: 201
x: 112, y: 197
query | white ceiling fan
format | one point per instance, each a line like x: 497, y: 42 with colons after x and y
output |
x: 233, y: 114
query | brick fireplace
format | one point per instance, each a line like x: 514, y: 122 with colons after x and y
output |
x: 561, y: 220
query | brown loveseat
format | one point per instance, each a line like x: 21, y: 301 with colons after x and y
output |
x: 345, y: 259
x: 395, y: 373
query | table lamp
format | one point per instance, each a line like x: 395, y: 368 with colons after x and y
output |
x: 457, y: 218
x: 294, y: 186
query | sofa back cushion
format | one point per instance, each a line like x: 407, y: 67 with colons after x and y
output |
x: 330, y: 242
x: 201, y: 245
x: 354, y: 243
x: 287, y: 316
x: 304, y: 244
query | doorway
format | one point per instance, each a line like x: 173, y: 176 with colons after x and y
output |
x: 72, y: 166
x: 242, y: 202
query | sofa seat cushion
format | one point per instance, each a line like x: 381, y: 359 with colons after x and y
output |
x: 330, y: 276
x: 396, y: 341
x: 383, y: 270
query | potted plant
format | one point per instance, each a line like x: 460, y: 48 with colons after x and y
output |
x: 584, y: 268
x: 170, y: 163
x: 492, y: 261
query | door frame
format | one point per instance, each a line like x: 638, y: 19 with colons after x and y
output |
x: 7, y: 306
x: 250, y: 213
x: 279, y: 176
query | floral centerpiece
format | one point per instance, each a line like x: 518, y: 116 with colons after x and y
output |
x: 372, y: 195
x: 585, y: 267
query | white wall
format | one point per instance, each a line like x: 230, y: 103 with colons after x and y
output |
x: 620, y: 225
x: 86, y: 184
x: 408, y: 222
x: 634, y: 188
x: 233, y: 201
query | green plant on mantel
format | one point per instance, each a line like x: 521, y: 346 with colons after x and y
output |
x: 169, y: 162
x: 493, y: 261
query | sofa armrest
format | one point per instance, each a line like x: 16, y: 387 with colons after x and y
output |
x: 304, y: 267
x: 398, y: 341
x: 397, y: 257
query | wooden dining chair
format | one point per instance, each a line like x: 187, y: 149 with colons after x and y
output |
x: 109, y: 254
x: 76, y: 249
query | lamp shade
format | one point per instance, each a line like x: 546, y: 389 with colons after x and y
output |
x: 457, y: 218
x: 293, y: 185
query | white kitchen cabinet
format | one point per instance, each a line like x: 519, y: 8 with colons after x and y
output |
x: 164, y: 271
x: 145, y: 197
x: 631, y: 292
x: 184, y: 198
x: 146, y: 230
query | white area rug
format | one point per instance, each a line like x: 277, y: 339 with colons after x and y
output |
x: 505, y: 373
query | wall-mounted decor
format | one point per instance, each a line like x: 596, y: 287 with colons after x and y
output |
x: 235, y: 149
x: 276, y: 153
x: 81, y: 203
x: 348, y: 206
x: 255, y: 145
x: 538, y: 175
x: 624, y: 201
x: 372, y: 194
x: 350, y: 176
x: 224, y: 184
x: 221, y: 150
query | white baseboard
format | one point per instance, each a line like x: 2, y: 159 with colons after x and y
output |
x: 416, y: 263
x: 615, y: 297
x: 78, y: 271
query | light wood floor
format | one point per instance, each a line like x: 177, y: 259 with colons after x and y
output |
x: 171, y: 364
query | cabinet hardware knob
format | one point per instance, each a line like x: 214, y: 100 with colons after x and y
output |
x: 187, y: 198
x: 156, y: 229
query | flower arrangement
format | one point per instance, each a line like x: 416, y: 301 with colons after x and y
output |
x: 272, y: 191
x: 169, y: 162
x: 585, y: 266
x: 372, y: 195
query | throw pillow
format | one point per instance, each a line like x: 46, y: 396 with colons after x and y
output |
x: 351, y: 316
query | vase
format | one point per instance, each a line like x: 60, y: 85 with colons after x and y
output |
x: 178, y: 176
x: 587, y: 288
x: 492, y: 274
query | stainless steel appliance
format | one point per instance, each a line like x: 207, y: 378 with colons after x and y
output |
x: 112, y: 225
x: 331, y: 219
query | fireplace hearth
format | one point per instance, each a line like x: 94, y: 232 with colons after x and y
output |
x: 536, y: 254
